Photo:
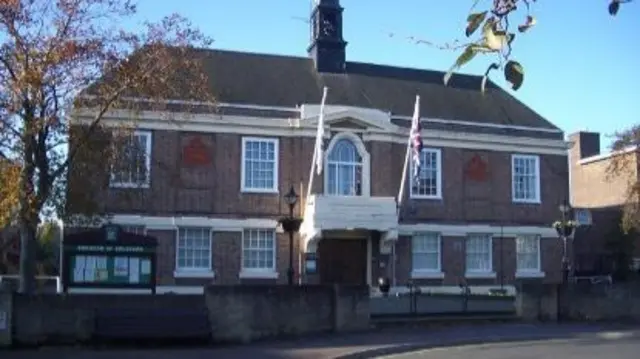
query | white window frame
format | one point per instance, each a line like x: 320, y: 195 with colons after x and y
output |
x: 365, y: 190
x: 271, y: 140
x: 147, y: 183
x: 266, y: 273
x: 474, y: 272
x: 530, y: 272
x: 188, y: 272
x: 435, y: 273
x: 410, y: 179
x: 536, y: 159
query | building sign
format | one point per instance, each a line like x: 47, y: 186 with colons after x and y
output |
x: 109, y: 258
x: 196, y: 152
x: 477, y: 169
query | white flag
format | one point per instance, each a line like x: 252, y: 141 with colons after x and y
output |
x: 320, y: 134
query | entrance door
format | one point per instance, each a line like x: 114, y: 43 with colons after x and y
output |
x: 342, y: 261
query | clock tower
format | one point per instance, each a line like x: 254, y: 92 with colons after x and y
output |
x: 327, y: 48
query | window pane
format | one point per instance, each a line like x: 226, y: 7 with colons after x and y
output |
x: 260, y: 164
x: 344, y: 170
x: 194, y: 249
x: 426, y: 185
x: 426, y: 251
x: 525, y: 178
x: 528, y: 253
x: 258, y: 250
x: 478, y: 253
x: 132, y: 159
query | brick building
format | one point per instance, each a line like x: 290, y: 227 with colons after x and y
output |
x: 601, y: 196
x: 211, y: 187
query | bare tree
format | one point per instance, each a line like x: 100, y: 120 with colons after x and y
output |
x: 625, y: 165
x: 57, y: 55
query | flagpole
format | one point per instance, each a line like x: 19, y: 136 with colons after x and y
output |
x: 318, y: 144
x: 403, y: 181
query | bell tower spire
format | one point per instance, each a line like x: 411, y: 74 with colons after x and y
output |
x: 327, y: 48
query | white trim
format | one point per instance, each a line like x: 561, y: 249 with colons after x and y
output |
x: 280, y: 127
x: 238, y: 225
x: 447, y: 289
x: 275, y: 142
x: 539, y: 254
x: 308, y: 107
x: 480, y: 124
x: 479, y: 273
x: 364, y: 155
x: 438, y: 195
x: 536, y: 160
x: 438, y: 269
x: 188, y: 273
x: 193, y: 272
x: 461, y: 230
x: 423, y: 274
x: 259, y: 272
x: 605, y: 156
x: 161, y: 289
x: 532, y: 274
x: 172, y: 223
x: 147, y: 160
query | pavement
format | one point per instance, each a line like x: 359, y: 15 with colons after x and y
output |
x: 393, y: 343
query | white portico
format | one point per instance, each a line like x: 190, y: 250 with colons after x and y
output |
x: 345, y: 203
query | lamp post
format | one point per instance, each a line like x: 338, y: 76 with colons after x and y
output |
x: 564, y: 228
x: 290, y: 225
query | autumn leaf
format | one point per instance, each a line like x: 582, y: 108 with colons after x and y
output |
x: 514, y: 73
x: 529, y: 23
x: 614, y: 6
x: 474, y: 21
x: 491, y: 67
x: 466, y: 56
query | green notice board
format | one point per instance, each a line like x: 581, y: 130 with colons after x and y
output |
x: 113, y: 268
x: 109, y: 258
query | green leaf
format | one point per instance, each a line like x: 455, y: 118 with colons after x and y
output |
x: 474, y: 21
x: 514, y: 73
x: 465, y: 57
x: 614, y: 6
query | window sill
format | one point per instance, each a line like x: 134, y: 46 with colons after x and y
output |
x: 256, y: 274
x: 433, y: 198
x: 129, y: 185
x: 526, y: 201
x: 480, y: 275
x: 259, y: 191
x: 422, y: 274
x: 530, y: 274
x: 194, y: 274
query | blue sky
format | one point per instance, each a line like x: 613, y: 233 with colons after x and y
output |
x: 580, y: 62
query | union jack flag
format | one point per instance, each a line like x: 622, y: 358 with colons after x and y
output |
x: 416, y: 139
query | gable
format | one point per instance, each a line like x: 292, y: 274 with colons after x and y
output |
x: 350, y: 123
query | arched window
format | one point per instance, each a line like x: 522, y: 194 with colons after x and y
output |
x: 344, y: 170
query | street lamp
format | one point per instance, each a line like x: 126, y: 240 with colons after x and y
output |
x: 564, y: 228
x: 290, y: 225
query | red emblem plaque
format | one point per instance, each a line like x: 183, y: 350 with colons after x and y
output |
x: 477, y: 169
x: 196, y: 153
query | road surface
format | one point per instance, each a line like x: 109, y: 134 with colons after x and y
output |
x: 553, y: 349
x: 580, y: 341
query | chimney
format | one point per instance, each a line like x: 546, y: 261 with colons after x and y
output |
x: 584, y: 145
